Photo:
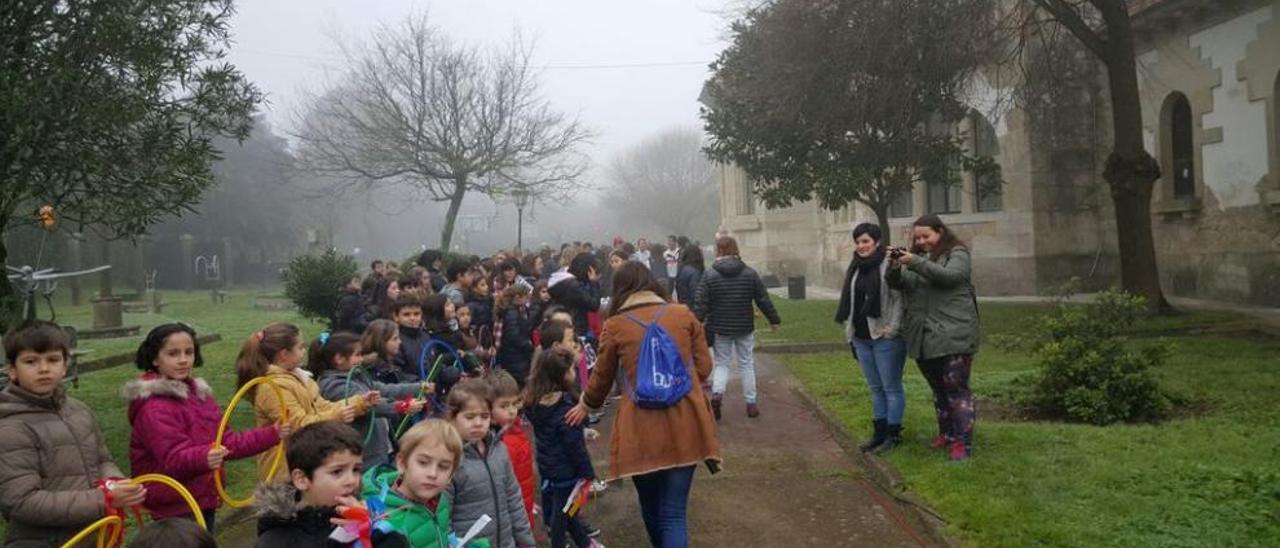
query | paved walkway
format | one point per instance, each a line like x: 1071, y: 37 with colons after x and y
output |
x: 785, y: 482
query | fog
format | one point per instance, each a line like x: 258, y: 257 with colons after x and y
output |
x: 627, y: 70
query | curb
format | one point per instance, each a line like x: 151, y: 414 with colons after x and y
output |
x: 881, y: 474
x: 802, y: 348
x: 114, y: 360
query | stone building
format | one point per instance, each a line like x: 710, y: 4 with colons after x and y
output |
x: 1209, y: 74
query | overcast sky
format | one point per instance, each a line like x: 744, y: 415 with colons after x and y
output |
x: 287, y: 45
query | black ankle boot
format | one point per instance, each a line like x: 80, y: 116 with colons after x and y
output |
x: 892, y: 438
x: 877, y: 438
x: 716, y: 400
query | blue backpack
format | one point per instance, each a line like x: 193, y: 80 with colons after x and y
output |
x: 662, y: 378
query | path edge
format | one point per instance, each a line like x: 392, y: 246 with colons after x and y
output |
x: 882, y: 474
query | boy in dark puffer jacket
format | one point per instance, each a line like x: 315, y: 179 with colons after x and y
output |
x: 325, y: 465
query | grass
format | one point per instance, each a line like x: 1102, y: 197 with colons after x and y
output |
x: 234, y: 320
x: 1205, y: 480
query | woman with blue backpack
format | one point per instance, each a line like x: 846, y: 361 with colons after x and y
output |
x: 657, y: 352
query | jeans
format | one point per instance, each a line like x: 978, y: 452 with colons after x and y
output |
x: 948, y: 376
x: 882, y: 361
x: 664, y: 502
x: 559, y: 523
x: 725, y: 348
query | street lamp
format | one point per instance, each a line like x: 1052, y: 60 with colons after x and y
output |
x: 522, y: 199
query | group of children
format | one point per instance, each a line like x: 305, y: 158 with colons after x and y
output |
x: 424, y: 457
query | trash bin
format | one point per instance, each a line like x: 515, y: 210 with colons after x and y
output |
x: 795, y: 288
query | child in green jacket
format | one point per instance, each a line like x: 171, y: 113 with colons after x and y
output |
x: 411, y: 497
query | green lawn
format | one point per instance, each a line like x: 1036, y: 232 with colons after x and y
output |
x: 1209, y: 480
x: 233, y: 320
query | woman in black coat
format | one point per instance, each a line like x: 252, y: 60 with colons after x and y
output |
x: 690, y: 274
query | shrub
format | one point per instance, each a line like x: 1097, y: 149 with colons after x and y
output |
x: 313, y: 283
x: 1087, y: 370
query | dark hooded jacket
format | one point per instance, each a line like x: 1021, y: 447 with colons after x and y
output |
x: 577, y: 297
x: 562, y: 449
x: 725, y: 295
x: 351, y: 314
x: 412, y: 340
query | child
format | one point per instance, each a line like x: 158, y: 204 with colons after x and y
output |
x: 563, y: 459
x: 485, y: 484
x: 350, y: 315
x: 276, y: 352
x: 174, y: 533
x: 480, y: 301
x: 407, y: 311
x: 413, y: 492
x: 175, y: 419
x: 515, y: 352
x: 381, y: 347
x: 506, y: 416
x: 539, y: 300
x: 56, y: 477
x: 441, y: 323
x: 324, y: 476
x: 332, y: 359
x: 460, y: 278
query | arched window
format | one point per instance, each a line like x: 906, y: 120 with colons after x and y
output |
x: 1179, y: 147
x: 987, y: 187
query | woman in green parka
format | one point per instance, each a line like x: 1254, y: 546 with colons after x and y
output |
x: 411, y: 496
x: 940, y: 325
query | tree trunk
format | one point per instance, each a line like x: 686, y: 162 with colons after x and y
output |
x: 10, y: 304
x: 882, y: 217
x: 451, y: 217
x: 1131, y: 172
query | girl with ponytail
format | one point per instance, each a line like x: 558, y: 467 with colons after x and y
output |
x: 276, y: 352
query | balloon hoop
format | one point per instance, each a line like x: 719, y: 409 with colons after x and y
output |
x: 101, y: 527
x: 222, y: 429
x: 182, y: 492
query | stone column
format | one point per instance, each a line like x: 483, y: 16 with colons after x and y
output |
x: 107, y: 310
x: 104, y: 257
x: 75, y: 261
x: 138, y: 276
x: 228, y: 263
x: 187, y: 243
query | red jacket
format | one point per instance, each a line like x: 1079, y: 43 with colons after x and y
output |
x: 174, y: 423
x: 516, y: 438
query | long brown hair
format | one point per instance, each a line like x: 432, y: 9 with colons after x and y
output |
x: 946, y: 242
x: 548, y: 375
x: 630, y: 278
x: 260, y: 349
x: 374, y: 340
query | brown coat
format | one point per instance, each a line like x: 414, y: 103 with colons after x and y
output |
x: 649, y: 440
x: 51, y: 455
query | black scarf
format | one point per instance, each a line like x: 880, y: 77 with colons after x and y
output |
x: 868, y: 281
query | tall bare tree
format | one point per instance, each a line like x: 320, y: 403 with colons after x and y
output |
x: 665, y: 181
x: 416, y: 110
x: 1105, y: 28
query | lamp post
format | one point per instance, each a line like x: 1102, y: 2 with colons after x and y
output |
x: 522, y: 199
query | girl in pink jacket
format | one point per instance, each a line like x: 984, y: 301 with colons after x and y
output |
x: 175, y: 419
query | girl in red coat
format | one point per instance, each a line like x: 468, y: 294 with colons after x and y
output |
x: 175, y: 419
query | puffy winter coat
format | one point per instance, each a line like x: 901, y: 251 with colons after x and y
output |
x: 174, y: 424
x: 562, y: 449
x: 516, y: 350
x: 306, y: 405
x: 424, y: 527
x: 942, y: 309
x: 687, y: 282
x: 577, y: 298
x: 51, y: 455
x: 486, y: 484
x: 282, y: 524
x: 412, y: 341
x: 516, y: 438
x: 351, y: 312
x: 725, y: 295
x: 334, y: 387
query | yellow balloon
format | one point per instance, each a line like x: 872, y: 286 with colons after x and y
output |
x: 222, y: 429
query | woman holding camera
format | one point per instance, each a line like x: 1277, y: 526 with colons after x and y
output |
x: 871, y: 312
x: 940, y: 325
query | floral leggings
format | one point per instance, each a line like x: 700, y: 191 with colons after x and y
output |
x: 948, y: 376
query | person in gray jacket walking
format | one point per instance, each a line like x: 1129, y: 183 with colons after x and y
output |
x: 871, y: 312
x: 723, y: 302
x: 941, y: 325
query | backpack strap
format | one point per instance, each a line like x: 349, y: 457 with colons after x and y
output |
x: 661, y: 309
